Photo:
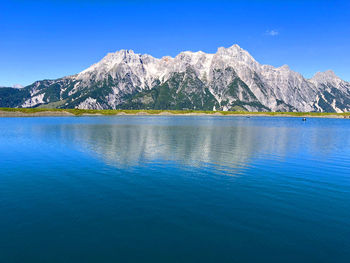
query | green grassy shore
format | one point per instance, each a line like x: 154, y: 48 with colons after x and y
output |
x: 77, y: 112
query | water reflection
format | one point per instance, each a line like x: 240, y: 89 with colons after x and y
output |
x: 162, y: 188
x: 228, y: 143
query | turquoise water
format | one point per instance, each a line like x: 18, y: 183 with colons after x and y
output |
x: 174, y: 189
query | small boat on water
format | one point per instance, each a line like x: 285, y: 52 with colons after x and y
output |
x: 304, y: 119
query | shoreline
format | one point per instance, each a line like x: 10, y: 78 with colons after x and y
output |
x: 34, y: 112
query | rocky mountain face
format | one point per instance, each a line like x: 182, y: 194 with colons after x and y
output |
x: 230, y: 79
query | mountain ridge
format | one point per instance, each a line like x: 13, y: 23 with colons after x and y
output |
x: 230, y: 79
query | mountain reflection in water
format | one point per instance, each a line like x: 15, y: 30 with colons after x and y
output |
x: 227, y: 143
x: 174, y: 189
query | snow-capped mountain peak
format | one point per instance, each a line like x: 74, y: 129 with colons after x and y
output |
x: 326, y: 76
x: 227, y: 80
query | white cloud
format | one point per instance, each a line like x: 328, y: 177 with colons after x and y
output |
x: 272, y: 33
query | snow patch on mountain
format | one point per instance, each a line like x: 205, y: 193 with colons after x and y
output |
x: 34, y: 101
x: 90, y: 103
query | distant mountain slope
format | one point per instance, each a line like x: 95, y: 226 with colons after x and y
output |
x: 230, y: 79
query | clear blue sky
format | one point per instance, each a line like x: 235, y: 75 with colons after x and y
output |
x: 45, y: 39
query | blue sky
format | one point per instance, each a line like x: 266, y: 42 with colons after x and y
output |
x: 49, y: 39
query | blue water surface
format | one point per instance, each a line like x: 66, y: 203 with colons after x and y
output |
x: 174, y: 189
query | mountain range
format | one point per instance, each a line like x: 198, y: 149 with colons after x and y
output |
x: 231, y: 79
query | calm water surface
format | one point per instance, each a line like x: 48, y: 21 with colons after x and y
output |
x: 174, y: 189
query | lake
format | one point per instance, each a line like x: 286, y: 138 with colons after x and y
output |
x: 174, y: 189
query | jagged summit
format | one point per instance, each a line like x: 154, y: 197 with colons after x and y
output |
x: 233, y: 48
x: 156, y: 68
x: 129, y: 56
x: 230, y: 79
x: 326, y: 76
